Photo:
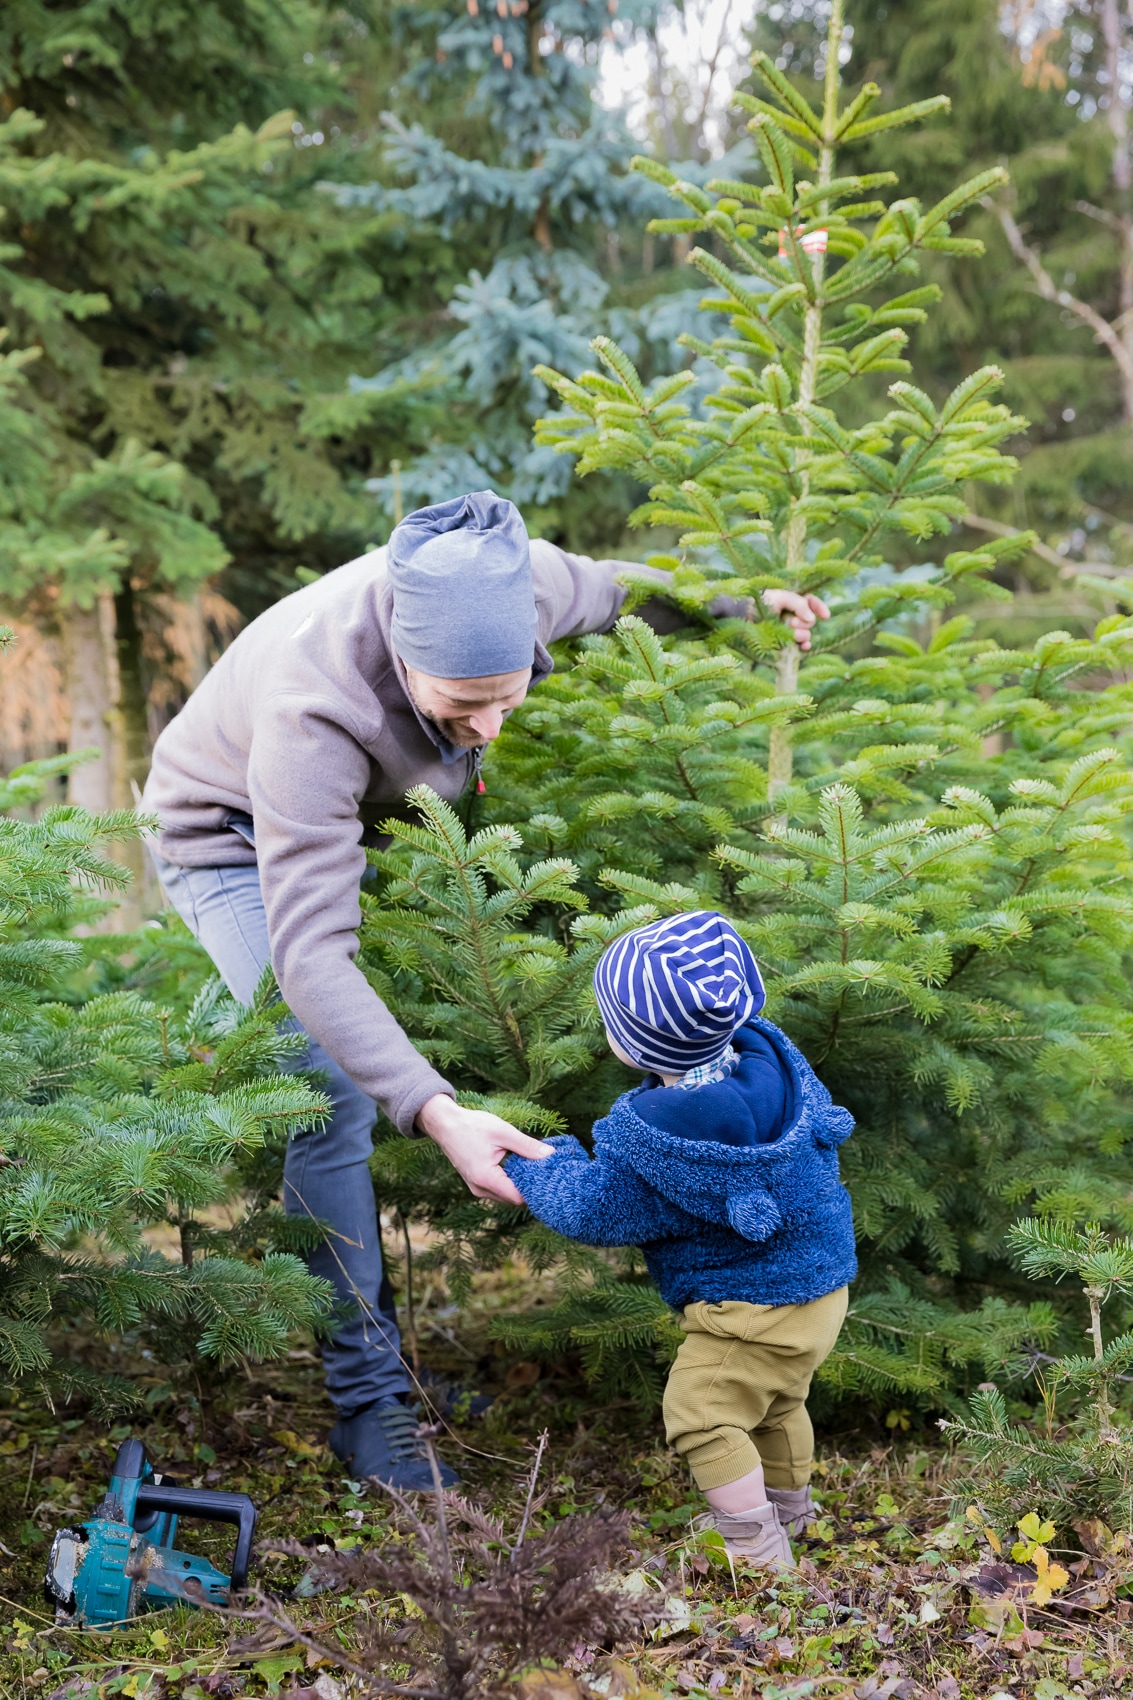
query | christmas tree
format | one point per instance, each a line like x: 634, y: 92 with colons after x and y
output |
x: 119, y: 1119
x: 1046, y: 96
x: 1078, y: 1468
x: 917, y: 829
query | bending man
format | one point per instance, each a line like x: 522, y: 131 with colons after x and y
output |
x: 394, y: 670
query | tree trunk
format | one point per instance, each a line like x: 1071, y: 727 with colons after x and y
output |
x: 131, y: 697
x: 143, y: 896
x: 780, y: 755
x: 93, y: 694
x: 95, y: 697
x: 1118, y: 116
x: 196, y: 640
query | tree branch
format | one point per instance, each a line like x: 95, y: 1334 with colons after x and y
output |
x: 1102, y: 214
x: 995, y: 528
x: 1104, y: 332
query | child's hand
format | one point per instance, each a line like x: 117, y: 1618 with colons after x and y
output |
x: 475, y: 1143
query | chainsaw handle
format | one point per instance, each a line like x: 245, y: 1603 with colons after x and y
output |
x: 214, y: 1507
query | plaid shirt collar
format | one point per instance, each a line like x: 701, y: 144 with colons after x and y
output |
x: 709, y: 1073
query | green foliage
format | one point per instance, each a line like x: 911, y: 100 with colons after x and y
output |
x: 117, y: 1120
x: 1082, y: 1466
x: 183, y: 304
x: 1036, y: 99
x: 613, y: 1321
x: 500, y: 1005
x: 506, y: 1013
x: 920, y: 831
x: 496, y: 146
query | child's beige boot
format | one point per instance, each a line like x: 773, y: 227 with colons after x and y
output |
x: 796, y: 1508
x: 755, y: 1536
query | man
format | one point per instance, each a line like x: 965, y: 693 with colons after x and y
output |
x: 394, y: 670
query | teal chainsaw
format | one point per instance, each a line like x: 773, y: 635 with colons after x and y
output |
x: 125, y: 1560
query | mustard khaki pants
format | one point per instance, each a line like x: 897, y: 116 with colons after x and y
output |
x: 736, y: 1394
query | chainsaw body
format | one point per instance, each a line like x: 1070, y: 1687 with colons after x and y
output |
x: 125, y: 1559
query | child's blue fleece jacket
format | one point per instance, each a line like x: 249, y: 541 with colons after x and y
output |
x: 722, y: 1204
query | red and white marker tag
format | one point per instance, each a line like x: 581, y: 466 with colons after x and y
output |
x: 814, y: 242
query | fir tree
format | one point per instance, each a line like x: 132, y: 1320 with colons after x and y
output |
x: 1081, y: 1468
x: 917, y: 829
x: 526, y: 179
x: 1047, y: 96
x: 116, y: 1117
x: 182, y: 307
x: 1079, y: 486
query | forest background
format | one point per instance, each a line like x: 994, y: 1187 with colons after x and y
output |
x: 271, y: 277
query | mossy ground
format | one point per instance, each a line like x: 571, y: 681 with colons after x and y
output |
x: 894, y: 1596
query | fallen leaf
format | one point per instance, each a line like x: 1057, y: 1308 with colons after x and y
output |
x: 522, y: 1375
x: 1101, y: 1542
x: 274, y: 1670
x: 1003, y: 1581
x: 1050, y: 1577
x: 670, y: 1614
x: 301, y: 1448
x: 615, y: 1678
x: 549, y: 1685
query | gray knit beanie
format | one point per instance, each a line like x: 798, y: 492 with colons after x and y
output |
x: 463, y: 599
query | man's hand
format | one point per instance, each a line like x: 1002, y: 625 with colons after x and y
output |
x: 475, y: 1143
x: 800, y: 612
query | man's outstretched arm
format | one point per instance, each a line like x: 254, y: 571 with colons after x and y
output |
x: 576, y: 595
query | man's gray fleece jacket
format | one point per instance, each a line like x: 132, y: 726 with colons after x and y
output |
x: 305, y: 724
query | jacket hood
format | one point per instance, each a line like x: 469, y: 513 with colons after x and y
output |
x: 729, y: 1184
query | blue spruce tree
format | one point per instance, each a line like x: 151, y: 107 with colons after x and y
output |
x: 527, y: 178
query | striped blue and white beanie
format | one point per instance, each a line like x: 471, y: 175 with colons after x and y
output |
x: 673, y: 993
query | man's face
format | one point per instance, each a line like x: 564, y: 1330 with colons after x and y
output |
x: 468, y: 711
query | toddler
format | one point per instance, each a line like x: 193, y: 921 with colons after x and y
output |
x: 722, y: 1167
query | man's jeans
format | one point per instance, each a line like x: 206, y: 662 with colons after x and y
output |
x: 325, y: 1176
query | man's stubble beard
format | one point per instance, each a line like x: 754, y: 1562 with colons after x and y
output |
x: 450, y: 730
x: 463, y: 740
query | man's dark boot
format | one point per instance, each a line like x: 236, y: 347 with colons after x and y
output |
x: 382, y: 1442
x: 449, y: 1399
